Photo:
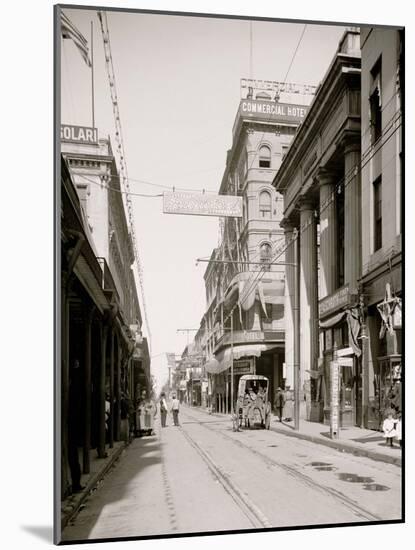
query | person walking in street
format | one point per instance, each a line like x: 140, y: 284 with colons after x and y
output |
x: 175, y: 410
x: 163, y: 409
x: 279, y: 402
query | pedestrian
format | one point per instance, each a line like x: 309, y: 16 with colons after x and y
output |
x: 389, y: 431
x: 175, y: 410
x: 279, y: 402
x: 146, y: 411
x: 107, y: 416
x: 163, y: 409
x: 125, y: 416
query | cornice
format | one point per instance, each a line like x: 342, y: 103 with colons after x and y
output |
x: 342, y: 74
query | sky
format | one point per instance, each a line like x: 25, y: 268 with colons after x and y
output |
x: 178, y: 86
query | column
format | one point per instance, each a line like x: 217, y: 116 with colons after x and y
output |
x: 364, y: 364
x: 111, y: 391
x: 101, y: 432
x: 87, y: 390
x: 328, y: 233
x: 308, y: 291
x: 64, y: 386
x: 289, y: 304
x: 117, y: 434
x: 352, y: 216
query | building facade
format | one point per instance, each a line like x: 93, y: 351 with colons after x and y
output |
x: 245, y: 317
x: 320, y: 182
x: 342, y: 187
x: 382, y: 190
x: 104, y: 356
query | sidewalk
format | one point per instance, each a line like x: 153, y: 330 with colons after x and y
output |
x: 354, y: 440
x: 98, y: 468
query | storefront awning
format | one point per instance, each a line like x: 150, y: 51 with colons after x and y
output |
x: 273, y: 291
x: 223, y: 359
x: 333, y: 321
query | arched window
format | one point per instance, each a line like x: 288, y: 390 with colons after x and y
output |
x: 264, y: 157
x: 265, y: 255
x: 265, y: 204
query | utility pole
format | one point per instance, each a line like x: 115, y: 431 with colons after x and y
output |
x: 232, y: 405
x: 296, y: 311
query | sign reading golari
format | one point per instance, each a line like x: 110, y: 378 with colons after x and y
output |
x: 198, y: 204
x: 79, y: 134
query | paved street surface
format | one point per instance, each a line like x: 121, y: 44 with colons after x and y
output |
x: 203, y: 477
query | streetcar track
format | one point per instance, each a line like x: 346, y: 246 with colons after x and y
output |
x: 256, y: 517
x: 346, y: 501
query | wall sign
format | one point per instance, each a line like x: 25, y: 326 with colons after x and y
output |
x: 271, y: 111
x: 242, y: 367
x: 335, y: 301
x: 79, y: 134
x: 334, y: 400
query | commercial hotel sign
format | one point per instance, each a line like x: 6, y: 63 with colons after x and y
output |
x: 272, y: 111
x: 201, y: 204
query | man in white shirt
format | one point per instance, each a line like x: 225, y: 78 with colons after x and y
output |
x: 175, y: 410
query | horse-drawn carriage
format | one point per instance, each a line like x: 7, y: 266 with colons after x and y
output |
x: 253, y: 405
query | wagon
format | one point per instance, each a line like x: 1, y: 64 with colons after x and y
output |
x: 253, y: 405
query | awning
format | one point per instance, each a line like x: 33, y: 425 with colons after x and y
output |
x: 273, y: 291
x: 333, y: 321
x: 223, y: 359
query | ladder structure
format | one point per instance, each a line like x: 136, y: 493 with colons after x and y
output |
x: 102, y: 16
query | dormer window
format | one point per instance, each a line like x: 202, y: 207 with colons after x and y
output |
x: 264, y: 157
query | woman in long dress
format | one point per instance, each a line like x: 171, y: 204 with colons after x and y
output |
x: 146, y: 412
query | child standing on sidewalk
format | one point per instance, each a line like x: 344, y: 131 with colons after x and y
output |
x: 389, y: 431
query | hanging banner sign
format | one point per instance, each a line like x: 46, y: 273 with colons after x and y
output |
x: 200, y: 204
x: 79, y: 134
x: 334, y: 400
x: 171, y: 359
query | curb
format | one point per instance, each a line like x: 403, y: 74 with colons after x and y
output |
x: 342, y: 446
x: 92, y: 482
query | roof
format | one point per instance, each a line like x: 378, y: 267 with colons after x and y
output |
x: 253, y: 377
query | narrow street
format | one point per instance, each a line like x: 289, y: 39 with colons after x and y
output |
x: 205, y: 477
